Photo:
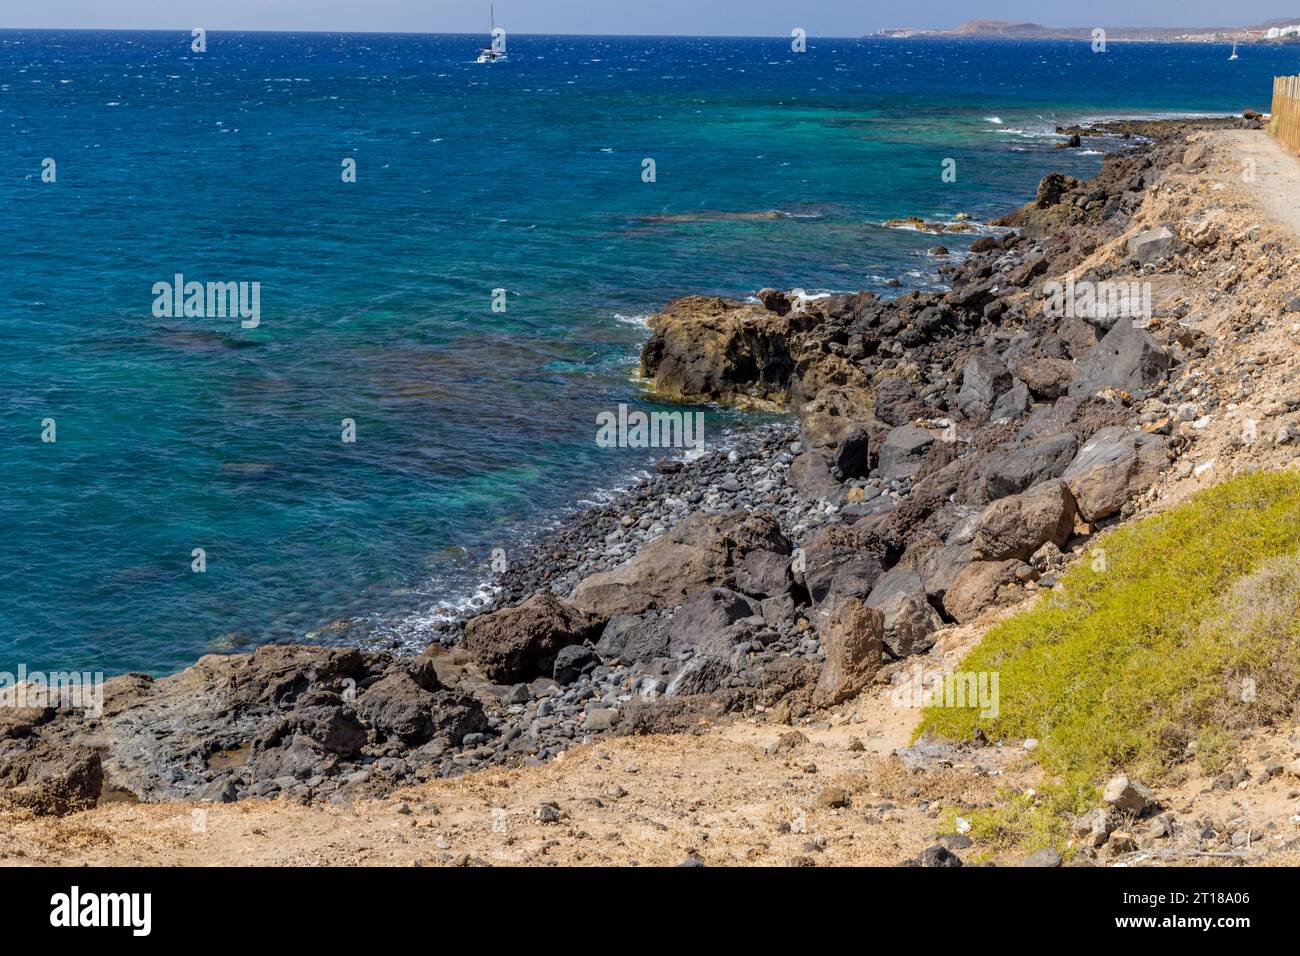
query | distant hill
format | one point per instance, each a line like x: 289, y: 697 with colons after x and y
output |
x: 1009, y: 29
x: 999, y: 28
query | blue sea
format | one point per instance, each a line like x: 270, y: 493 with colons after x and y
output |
x: 474, y: 427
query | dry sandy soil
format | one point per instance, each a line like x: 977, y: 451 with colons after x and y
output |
x: 737, y: 794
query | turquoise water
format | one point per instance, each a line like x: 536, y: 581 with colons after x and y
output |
x: 474, y: 427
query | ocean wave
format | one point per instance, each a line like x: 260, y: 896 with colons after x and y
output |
x: 719, y: 215
x: 952, y: 228
x: 415, y: 629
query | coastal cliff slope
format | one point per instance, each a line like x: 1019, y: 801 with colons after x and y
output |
x: 954, y: 453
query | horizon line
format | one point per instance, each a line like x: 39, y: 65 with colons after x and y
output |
x: 884, y: 33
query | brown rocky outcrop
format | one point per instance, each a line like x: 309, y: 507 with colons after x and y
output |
x: 520, y: 643
x: 710, y: 349
x: 853, y: 638
x: 48, y: 779
x: 701, y: 552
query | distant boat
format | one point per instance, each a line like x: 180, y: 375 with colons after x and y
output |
x: 1234, y: 53
x: 490, y: 53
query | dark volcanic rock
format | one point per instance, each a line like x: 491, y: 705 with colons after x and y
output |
x: 763, y: 574
x: 983, y: 379
x: 632, y: 637
x: 1127, y: 358
x: 840, y: 561
x: 572, y: 662
x: 701, y: 622
x: 1011, y: 404
x: 936, y: 856
x: 700, y: 552
x: 324, y: 719
x: 903, y: 451
x: 518, y: 643
x: 909, y: 620
x: 1112, y: 467
x: 897, y: 402
x: 851, y: 459
x: 1011, y: 469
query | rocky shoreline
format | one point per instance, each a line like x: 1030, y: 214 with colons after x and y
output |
x: 951, y: 451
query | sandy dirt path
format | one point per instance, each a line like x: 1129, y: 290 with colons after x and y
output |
x: 1270, y: 175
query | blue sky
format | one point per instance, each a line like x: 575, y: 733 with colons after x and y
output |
x: 691, y: 17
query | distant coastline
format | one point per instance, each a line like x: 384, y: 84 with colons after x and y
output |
x: 1269, y: 32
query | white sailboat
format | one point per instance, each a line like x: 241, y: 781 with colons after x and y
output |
x: 1234, y: 52
x: 493, y: 52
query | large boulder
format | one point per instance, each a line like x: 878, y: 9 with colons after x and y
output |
x: 904, y: 451
x: 700, y: 552
x: 1011, y: 404
x: 940, y: 567
x: 897, y: 402
x: 704, y: 348
x: 325, y: 719
x: 1013, y: 468
x: 838, y: 561
x: 977, y: 587
x: 635, y: 637
x: 704, y: 674
x: 1017, y: 526
x: 984, y: 377
x: 702, y: 624
x: 399, y: 708
x: 909, y: 620
x: 1127, y: 358
x: 763, y: 574
x: 811, y: 476
x: 852, y: 636
x: 852, y: 455
x: 1152, y: 244
x: 1113, y: 466
x: 573, y: 662
x: 309, y: 739
x: 520, y: 643
x: 1046, y: 378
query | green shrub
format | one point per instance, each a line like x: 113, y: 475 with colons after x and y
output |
x: 1151, y: 645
